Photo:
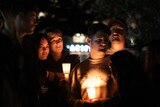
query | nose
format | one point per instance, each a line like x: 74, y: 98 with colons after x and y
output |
x: 44, y: 48
x: 115, y: 34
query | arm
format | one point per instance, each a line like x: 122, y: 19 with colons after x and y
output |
x: 74, y: 90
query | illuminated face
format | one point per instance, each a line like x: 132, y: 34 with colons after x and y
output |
x: 56, y: 44
x: 99, y: 43
x: 43, y: 49
x: 29, y: 22
x: 117, y: 34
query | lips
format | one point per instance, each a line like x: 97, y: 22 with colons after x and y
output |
x: 115, y: 38
x: 44, y: 54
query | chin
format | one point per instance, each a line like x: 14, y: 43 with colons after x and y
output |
x: 29, y: 33
x: 102, y: 50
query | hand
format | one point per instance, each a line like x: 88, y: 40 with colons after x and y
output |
x: 44, y: 89
x: 47, y: 74
x: 51, y: 75
x: 92, y: 104
x: 60, y: 76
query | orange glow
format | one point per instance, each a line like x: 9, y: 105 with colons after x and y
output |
x: 94, y: 84
x: 91, y: 92
x: 66, y: 70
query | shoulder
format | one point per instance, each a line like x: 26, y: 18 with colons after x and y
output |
x: 123, y: 56
x: 82, y: 64
x: 74, y: 56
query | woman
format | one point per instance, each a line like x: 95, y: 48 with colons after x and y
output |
x: 42, y: 46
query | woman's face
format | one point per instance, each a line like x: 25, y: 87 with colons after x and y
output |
x: 43, y: 49
x: 56, y: 44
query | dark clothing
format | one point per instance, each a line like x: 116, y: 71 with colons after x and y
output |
x: 56, y: 66
x: 18, y: 73
x: 29, y: 75
x: 42, y: 81
x: 132, y: 82
x: 57, y: 95
x: 9, y: 72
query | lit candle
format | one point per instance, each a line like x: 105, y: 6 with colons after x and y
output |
x: 66, y: 76
x: 66, y: 70
x: 91, y: 92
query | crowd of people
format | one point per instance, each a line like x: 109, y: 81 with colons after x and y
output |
x: 31, y: 65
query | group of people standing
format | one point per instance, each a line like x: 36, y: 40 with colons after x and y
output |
x: 32, y: 73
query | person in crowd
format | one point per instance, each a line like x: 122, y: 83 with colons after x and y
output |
x: 118, y: 37
x: 42, y: 45
x: 17, y: 90
x: 132, y: 83
x: 150, y: 61
x: 93, y: 82
x: 57, y: 94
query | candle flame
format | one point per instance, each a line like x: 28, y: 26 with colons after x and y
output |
x: 91, y: 92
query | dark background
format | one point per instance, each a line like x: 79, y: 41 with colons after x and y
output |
x: 142, y: 17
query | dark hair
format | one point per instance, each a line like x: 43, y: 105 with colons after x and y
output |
x: 98, y: 29
x: 53, y: 31
x: 118, y: 23
x: 38, y: 38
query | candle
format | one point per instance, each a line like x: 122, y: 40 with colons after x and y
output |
x: 91, y: 92
x: 66, y: 70
x: 66, y: 76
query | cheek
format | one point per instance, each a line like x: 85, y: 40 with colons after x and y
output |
x: 39, y: 54
x: 52, y: 47
x: 110, y: 38
x: 47, y: 50
x: 122, y: 38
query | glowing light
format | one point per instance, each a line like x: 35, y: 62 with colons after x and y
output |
x: 78, y: 48
x: 91, y: 92
x: 92, y: 83
x: 132, y: 41
x: 79, y: 38
x: 41, y: 14
x: 66, y: 70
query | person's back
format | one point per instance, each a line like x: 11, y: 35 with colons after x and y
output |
x: 132, y: 83
x: 150, y: 61
x: 14, y: 55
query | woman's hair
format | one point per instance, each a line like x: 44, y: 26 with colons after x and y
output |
x: 38, y: 38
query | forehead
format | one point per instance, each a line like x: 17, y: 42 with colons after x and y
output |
x: 29, y: 15
x: 43, y: 39
x: 54, y: 36
x: 33, y: 13
x: 116, y: 26
x: 100, y: 37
